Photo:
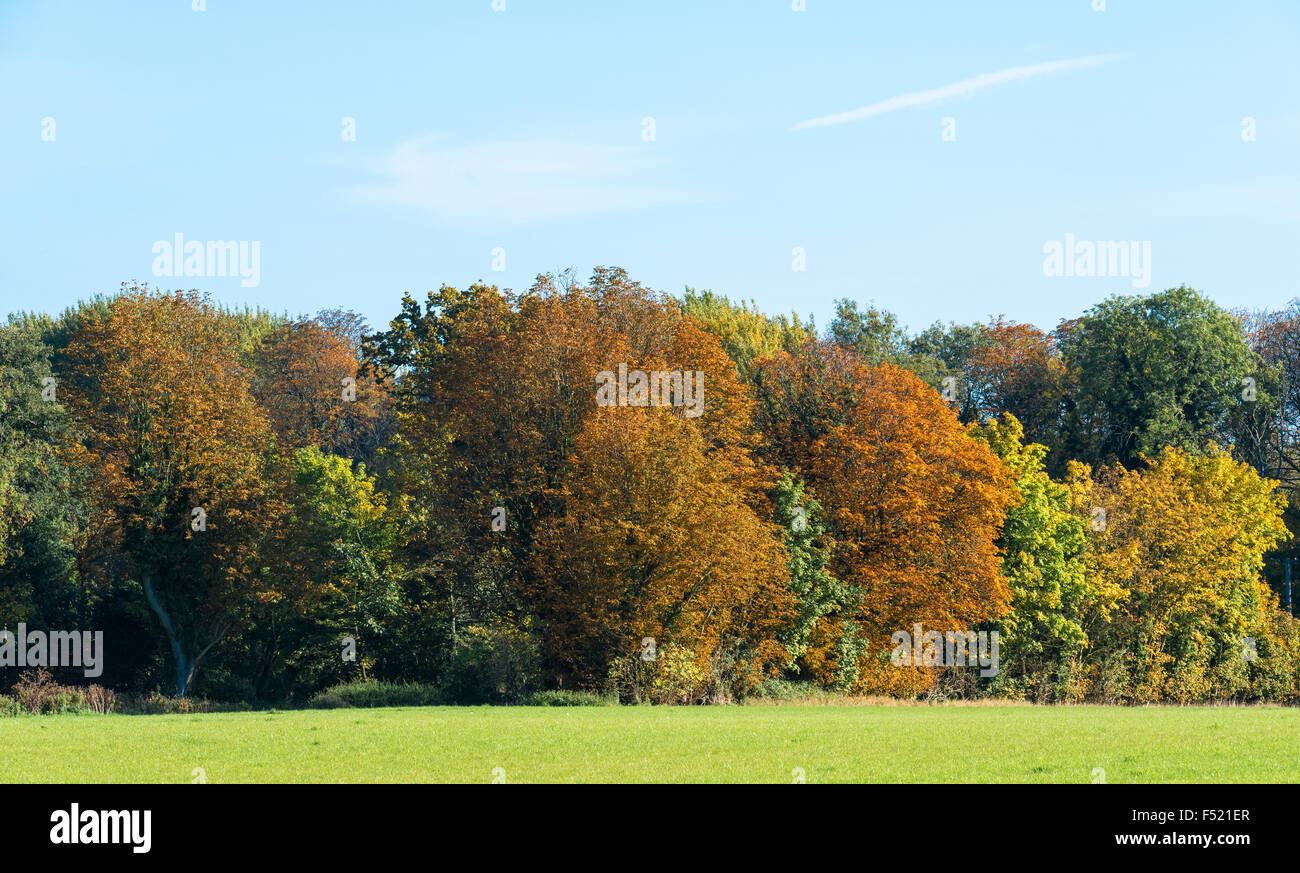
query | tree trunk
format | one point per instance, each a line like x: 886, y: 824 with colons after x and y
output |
x: 184, y: 670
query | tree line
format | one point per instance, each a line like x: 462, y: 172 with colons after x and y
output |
x: 254, y: 507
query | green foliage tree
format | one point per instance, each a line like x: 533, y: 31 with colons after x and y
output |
x: 332, y: 577
x: 42, y: 515
x: 950, y: 352
x: 1154, y: 371
x: 817, y: 592
x: 1043, y: 547
x: 876, y: 337
x: 746, y: 333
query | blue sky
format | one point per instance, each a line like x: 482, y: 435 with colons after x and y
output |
x: 524, y: 129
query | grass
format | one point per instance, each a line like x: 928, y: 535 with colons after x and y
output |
x: 951, y: 744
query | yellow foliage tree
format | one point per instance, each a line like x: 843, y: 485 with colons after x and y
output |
x: 1175, y: 555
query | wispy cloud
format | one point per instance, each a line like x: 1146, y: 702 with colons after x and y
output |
x: 524, y: 182
x: 954, y: 89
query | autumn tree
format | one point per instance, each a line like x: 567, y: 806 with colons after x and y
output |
x: 314, y: 389
x: 652, y: 540
x: 1175, y: 552
x: 1019, y: 371
x: 175, y: 447
x: 493, y: 391
x: 487, y: 411
x: 914, y: 502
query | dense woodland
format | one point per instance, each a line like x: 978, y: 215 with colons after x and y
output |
x: 1116, y: 497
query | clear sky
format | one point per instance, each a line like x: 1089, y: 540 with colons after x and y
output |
x: 526, y: 129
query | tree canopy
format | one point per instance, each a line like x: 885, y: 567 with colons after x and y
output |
x: 599, y: 487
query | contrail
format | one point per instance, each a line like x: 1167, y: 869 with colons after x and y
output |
x: 965, y: 86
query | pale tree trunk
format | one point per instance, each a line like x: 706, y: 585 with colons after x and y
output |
x: 186, y: 667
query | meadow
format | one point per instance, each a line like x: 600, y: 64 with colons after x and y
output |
x: 775, y: 744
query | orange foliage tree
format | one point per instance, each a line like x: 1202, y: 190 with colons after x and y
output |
x: 496, y: 394
x: 916, y: 504
x: 655, y: 539
x: 1018, y: 370
x: 314, y: 389
x: 176, y: 450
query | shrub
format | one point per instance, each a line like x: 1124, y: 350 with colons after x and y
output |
x: 674, y: 677
x: 1114, y: 679
x: 38, y: 693
x: 787, y: 690
x: 565, y: 697
x: 161, y: 704
x: 101, y: 700
x: 679, y: 678
x: 953, y: 684
x: 370, y: 694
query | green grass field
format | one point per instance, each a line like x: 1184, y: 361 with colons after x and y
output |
x: 663, y: 744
